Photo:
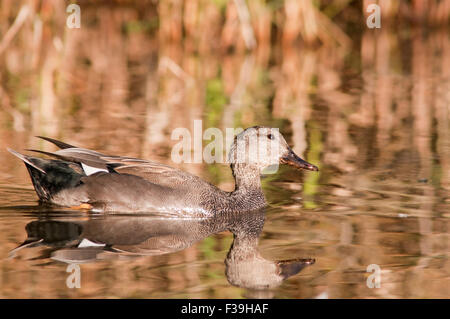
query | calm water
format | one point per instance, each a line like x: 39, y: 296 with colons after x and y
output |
x: 373, y: 116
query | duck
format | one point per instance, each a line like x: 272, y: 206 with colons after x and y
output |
x: 80, y: 178
x: 114, y: 237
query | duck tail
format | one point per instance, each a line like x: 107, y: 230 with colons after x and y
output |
x: 27, y: 159
x: 37, y: 173
x: 49, y: 176
x: 60, y: 144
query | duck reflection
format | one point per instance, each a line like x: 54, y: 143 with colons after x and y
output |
x: 112, y: 236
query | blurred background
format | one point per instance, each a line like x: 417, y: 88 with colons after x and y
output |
x: 370, y: 107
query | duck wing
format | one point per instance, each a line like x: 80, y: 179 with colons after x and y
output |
x: 93, y: 162
x: 161, y: 174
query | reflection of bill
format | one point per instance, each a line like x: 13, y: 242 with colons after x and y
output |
x: 74, y: 279
x: 374, y: 280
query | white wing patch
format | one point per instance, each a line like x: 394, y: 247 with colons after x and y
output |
x: 89, y: 170
x: 87, y: 243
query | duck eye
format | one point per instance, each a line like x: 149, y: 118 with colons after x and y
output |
x: 270, y: 136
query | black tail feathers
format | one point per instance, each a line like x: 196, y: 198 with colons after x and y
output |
x: 50, y: 176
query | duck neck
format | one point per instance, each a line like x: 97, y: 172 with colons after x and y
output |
x: 247, y: 177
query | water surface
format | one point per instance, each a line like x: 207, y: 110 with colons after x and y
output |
x: 372, y: 114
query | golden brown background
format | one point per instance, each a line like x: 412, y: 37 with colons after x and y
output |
x: 369, y: 106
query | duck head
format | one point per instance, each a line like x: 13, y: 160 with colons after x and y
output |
x: 261, y: 147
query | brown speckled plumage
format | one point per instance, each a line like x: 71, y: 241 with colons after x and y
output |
x: 127, y: 184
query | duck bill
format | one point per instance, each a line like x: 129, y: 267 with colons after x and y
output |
x: 292, y: 159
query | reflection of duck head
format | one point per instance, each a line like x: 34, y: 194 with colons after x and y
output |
x: 112, y: 236
x: 245, y: 267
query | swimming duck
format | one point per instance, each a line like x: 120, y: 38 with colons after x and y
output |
x: 86, y: 179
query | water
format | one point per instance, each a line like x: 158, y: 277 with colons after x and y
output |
x: 373, y: 116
